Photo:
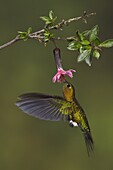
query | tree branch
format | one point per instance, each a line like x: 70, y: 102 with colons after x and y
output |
x: 17, y: 38
x: 63, y: 23
x: 39, y: 34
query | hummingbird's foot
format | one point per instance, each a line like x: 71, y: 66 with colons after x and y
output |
x: 72, y: 124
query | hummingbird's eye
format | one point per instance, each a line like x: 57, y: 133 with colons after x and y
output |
x: 68, y: 85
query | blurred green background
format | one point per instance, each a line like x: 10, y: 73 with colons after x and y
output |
x: 32, y: 144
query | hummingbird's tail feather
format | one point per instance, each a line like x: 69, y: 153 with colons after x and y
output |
x: 88, y: 140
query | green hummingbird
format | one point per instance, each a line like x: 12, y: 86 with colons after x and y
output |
x: 56, y: 108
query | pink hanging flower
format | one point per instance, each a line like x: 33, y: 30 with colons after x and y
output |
x: 60, y: 75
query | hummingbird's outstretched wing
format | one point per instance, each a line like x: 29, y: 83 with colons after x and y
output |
x: 43, y: 106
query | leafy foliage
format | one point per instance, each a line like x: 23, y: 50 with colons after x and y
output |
x: 94, y: 33
x: 49, y: 20
x: 47, y: 35
x: 107, y: 43
x: 88, y: 45
x: 24, y: 35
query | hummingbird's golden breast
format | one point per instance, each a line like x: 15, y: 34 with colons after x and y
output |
x: 68, y: 92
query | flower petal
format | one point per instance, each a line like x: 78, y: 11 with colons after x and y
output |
x: 54, y: 79
x: 60, y: 75
x: 70, y: 72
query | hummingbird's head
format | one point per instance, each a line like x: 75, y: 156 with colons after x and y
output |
x: 68, y: 91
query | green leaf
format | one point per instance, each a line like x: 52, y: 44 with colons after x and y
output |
x: 45, y: 18
x: 51, y: 15
x: 84, y: 55
x: 29, y: 30
x: 86, y: 33
x: 47, y: 35
x: 23, y: 35
x: 107, y: 43
x: 74, y: 45
x: 81, y: 49
x: 80, y: 36
x: 88, y: 60
x: 49, y: 19
x: 94, y: 33
x: 84, y: 47
x: 96, y: 42
x: 96, y: 54
x: 85, y: 42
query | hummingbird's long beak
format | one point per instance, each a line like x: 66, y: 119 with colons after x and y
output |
x: 65, y: 81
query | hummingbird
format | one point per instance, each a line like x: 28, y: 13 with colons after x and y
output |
x: 56, y: 108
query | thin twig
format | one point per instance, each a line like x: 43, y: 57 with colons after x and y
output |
x: 63, y: 22
x: 39, y: 34
x: 10, y: 42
